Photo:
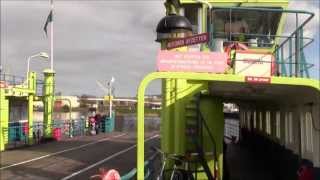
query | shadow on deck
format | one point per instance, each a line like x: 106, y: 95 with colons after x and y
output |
x: 257, y: 161
x: 243, y: 165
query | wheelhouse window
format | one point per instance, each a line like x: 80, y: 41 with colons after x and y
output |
x: 252, y: 27
x: 192, y: 13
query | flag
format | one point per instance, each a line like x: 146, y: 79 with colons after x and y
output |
x: 49, y: 19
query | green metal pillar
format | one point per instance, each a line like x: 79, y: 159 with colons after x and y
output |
x: 283, y: 64
x: 31, y: 86
x: 48, y: 100
x: 169, y: 117
x: 166, y: 120
x: 4, y: 119
x: 290, y: 58
x: 212, y: 111
x: 179, y: 116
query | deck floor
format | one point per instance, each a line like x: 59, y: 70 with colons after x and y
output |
x: 74, y: 158
x: 243, y: 165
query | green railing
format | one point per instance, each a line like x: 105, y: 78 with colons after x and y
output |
x: 7, y: 80
x: 150, y: 171
x: 11, y: 80
x: 18, y: 132
x: 290, y: 56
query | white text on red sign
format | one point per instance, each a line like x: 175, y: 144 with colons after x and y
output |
x: 260, y: 80
x: 199, y: 38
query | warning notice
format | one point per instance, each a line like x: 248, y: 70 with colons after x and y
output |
x: 211, y: 62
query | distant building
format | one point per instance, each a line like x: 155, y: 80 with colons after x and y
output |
x: 66, y: 100
x: 60, y: 102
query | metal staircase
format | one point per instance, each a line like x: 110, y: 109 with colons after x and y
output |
x: 195, y: 125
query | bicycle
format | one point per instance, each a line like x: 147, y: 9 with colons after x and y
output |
x: 176, y: 173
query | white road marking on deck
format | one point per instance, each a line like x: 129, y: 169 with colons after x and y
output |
x: 106, y: 159
x: 60, y: 152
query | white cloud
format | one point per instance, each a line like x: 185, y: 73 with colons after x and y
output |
x: 93, y: 40
x: 312, y: 28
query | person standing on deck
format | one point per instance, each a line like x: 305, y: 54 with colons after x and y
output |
x: 92, y: 124
x: 98, y: 122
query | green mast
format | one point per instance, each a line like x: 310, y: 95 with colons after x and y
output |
x: 48, y: 100
x: 31, y: 86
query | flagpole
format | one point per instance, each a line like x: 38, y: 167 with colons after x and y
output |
x: 51, y: 37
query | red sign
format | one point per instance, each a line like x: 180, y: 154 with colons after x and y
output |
x: 196, y: 39
x: 173, y: 61
x: 258, y: 80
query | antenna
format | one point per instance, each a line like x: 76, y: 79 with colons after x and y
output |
x: 103, y: 88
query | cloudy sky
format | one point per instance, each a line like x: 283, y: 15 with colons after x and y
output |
x: 98, y: 39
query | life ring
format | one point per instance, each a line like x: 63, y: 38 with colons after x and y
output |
x: 234, y: 46
x: 112, y: 174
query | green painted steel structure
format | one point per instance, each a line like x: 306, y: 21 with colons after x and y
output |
x: 32, y: 85
x: 48, y: 101
x: 26, y: 91
x: 179, y: 89
x: 108, y: 124
x: 4, y: 118
x: 201, y: 78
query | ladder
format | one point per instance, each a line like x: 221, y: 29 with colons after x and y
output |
x: 195, y: 125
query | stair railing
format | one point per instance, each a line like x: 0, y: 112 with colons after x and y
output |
x: 201, y: 121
